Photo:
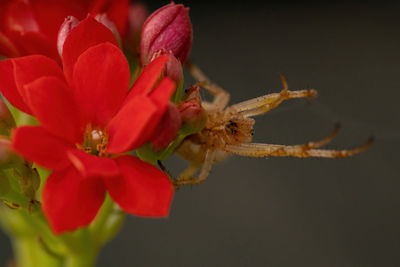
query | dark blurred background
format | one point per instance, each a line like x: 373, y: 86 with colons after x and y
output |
x: 288, y: 211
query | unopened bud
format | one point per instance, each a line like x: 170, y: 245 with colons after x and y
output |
x: 193, y: 115
x: 5, y: 152
x: 167, y: 28
x: 168, y: 128
x: 192, y: 94
x: 138, y: 13
x: 65, y: 28
x: 7, y: 122
x: 7, y: 156
x: 103, y: 19
x: 173, y: 68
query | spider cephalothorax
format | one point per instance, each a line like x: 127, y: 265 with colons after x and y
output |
x: 223, y: 128
x: 229, y: 130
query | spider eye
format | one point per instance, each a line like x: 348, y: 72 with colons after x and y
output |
x: 232, y: 126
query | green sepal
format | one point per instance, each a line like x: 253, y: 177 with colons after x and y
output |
x: 147, y: 153
x: 177, y: 96
x: 11, y: 192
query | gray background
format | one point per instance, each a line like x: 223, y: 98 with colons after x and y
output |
x: 285, y: 211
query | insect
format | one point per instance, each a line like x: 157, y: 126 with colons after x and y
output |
x: 229, y: 130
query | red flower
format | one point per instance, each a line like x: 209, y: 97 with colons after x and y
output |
x: 88, y: 118
x: 30, y: 27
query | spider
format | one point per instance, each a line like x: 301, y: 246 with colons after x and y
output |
x: 229, y: 130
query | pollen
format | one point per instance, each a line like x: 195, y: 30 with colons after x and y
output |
x: 95, y: 141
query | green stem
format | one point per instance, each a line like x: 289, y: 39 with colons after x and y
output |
x: 102, y: 217
x: 85, y: 252
x: 29, y: 253
x: 86, y: 259
x: 108, y: 222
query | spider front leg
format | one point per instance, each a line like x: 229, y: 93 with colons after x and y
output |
x: 263, y: 104
x: 221, y: 97
x: 186, y: 176
x: 300, y: 151
x: 305, y: 150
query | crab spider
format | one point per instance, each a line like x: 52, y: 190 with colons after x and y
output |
x: 229, y: 130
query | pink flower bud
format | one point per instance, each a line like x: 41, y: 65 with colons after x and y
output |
x: 65, y: 28
x: 167, y: 28
x: 5, y: 153
x: 7, y: 157
x: 173, y: 68
x: 167, y: 129
x: 193, y: 115
x: 138, y: 13
x: 6, y: 119
x: 103, y: 19
x: 192, y: 94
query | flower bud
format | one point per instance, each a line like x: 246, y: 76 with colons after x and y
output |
x: 103, y: 19
x: 168, y: 128
x: 7, y: 157
x: 167, y: 28
x: 65, y: 28
x: 5, y: 152
x: 7, y: 122
x: 173, y: 68
x: 138, y: 13
x: 193, y: 115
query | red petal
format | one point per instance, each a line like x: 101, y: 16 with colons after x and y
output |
x: 167, y: 129
x: 160, y: 97
x: 8, y: 88
x: 128, y: 126
x: 52, y: 103
x: 117, y: 12
x: 88, y: 33
x: 35, y: 43
x: 142, y: 189
x: 7, y: 48
x: 27, y: 69
x: 19, y: 17
x: 148, y: 78
x: 37, y: 145
x: 69, y: 201
x: 92, y: 166
x: 101, y: 80
x: 50, y: 14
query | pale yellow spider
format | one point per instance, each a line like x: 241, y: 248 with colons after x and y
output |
x: 229, y: 130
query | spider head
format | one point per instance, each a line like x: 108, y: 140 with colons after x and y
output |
x: 239, y: 130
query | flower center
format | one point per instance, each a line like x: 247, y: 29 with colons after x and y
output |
x: 95, y: 141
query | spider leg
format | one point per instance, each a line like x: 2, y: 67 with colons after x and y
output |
x: 221, y: 97
x: 189, y: 171
x: 263, y: 104
x: 300, y: 151
x: 261, y: 148
x: 205, y: 170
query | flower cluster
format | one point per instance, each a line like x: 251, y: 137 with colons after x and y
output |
x: 95, y: 92
x: 67, y: 69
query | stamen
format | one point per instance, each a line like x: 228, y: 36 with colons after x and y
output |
x: 95, y: 141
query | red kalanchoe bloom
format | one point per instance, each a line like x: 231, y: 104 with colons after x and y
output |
x: 30, y: 27
x: 89, y: 117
